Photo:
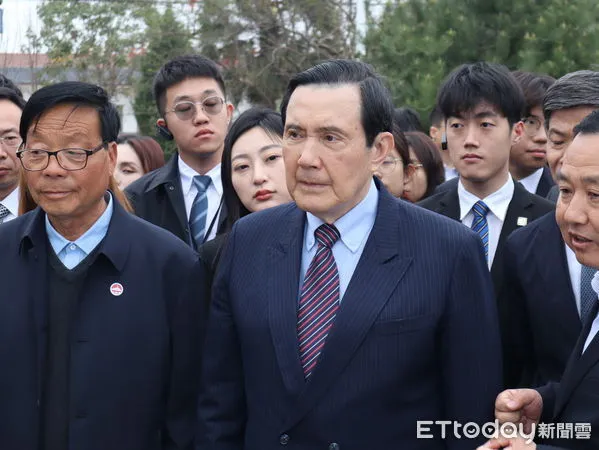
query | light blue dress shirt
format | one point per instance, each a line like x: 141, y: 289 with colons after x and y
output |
x: 72, y: 253
x: 354, y: 227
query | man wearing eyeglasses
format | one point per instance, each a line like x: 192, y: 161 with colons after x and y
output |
x: 11, y: 105
x: 528, y: 156
x: 185, y: 196
x: 101, y: 313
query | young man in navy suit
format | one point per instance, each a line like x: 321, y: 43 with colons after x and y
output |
x: 343, y: 320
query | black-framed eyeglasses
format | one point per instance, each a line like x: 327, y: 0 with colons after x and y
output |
x: 35, y: 160
x: 187, y: 109
x: 532, y: 124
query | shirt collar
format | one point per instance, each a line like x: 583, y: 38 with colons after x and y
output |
x: 11, y: 202
x: 354, y: 227
x: 186, y: 174
x: 498, y: 202
x: 88, y: 240
x: 531, y: 182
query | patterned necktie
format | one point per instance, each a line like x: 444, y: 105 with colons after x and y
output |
x: 3, y: 212
x: 588, y: 297
x: 319, y: 299
x: 199, y: 209
x: 480, y: 225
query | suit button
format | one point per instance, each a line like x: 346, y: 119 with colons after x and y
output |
x: 334, y: 446
x: 284, y: 439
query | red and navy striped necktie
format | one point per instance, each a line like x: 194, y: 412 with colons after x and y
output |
x: 319, y: 299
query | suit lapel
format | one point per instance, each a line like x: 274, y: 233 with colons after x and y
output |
x: 449, y: 204
x: 578, y: 365
x: 376, y: 276
x: 174, y: 192
x: 283, y: 268
x: 556, y: 277
x: 34, y: 249
x: 517, y: 208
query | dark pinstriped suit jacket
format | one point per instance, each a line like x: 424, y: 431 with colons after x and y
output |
x: 416, y: 338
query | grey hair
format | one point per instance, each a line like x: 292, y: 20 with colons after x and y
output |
x: 574, y: 89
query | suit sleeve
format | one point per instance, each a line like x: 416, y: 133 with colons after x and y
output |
x: 516, y: 336
x: 188, y: 318
x: 222, y: 407
x: 470, y: 343
x: 548, y: 394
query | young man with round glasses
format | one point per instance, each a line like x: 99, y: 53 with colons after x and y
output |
x: 528, y: 156
x: 11, y: 106
x: 185, y: 195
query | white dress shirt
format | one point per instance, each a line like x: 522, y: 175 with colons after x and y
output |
x: 214, y: 194
x: 575, y: 269
x: 595, y: 326
x: 354, y: 228
x: 498, y: 203
x: 531, y: 182
x: 11, y: 202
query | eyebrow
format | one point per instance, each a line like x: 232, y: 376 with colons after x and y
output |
x: 179, y: 98
x: 262, y: 150
x: 589, y: 179
x: 8, y: 130
x: 479, y: 115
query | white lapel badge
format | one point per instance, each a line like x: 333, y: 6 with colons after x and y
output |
x: 522, y: 221
x: 116, y: 289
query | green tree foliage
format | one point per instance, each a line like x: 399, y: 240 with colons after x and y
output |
x: 416, y: 43
x: 166, y: 38
x: 92, y: 41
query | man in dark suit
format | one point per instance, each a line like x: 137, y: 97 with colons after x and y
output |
x: 185, y: 195
x: 482, y: 103
x: 573, y: 400
x: 342, y: 320
x: 528, y: 157
x: 101, y: 313
x: 547, y: 289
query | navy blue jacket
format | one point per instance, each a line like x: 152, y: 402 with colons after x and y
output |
x: 416, y: 338
x: 134, y: 358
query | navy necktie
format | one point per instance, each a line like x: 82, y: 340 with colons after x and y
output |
x: 3, y: 212
x: 319, y: 299
x: 199, y: 209
x: 480, y: 224
x: 588, y: 297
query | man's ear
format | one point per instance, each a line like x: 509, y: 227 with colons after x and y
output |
x: 381, y: 147
x: 112, y: 155
x: 517, y: 132
x: 230, y: 109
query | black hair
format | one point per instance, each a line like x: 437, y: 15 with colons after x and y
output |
x: 573, y: 90
x: 472, y: 84
x: 401, y: 145
x: 534, y: 86
x: 180, y: 69
x: 435, y: 117
x: 78, y: 94
x: 12, y: 96
x: 376, y: 108
x: 407, y: 119
x: 267, y: 119
x: 588, y: 125
x: 6, y: 82
x: 428, y: 155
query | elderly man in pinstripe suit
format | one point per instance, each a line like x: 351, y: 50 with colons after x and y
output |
x: 342, y: 320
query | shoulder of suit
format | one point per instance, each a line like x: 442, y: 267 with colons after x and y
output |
x: 140, y: 186
x: 434, y: 200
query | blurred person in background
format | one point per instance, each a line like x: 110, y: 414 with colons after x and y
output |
x: 136, y: 156
x: 528, y: 156
x: 11, y: 106
x: 407, y: 119
x: 425, y: 167
x: 253, y: 173
x: 393, y: 171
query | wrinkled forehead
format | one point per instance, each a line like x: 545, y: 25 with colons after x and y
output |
x: 65, y: 120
